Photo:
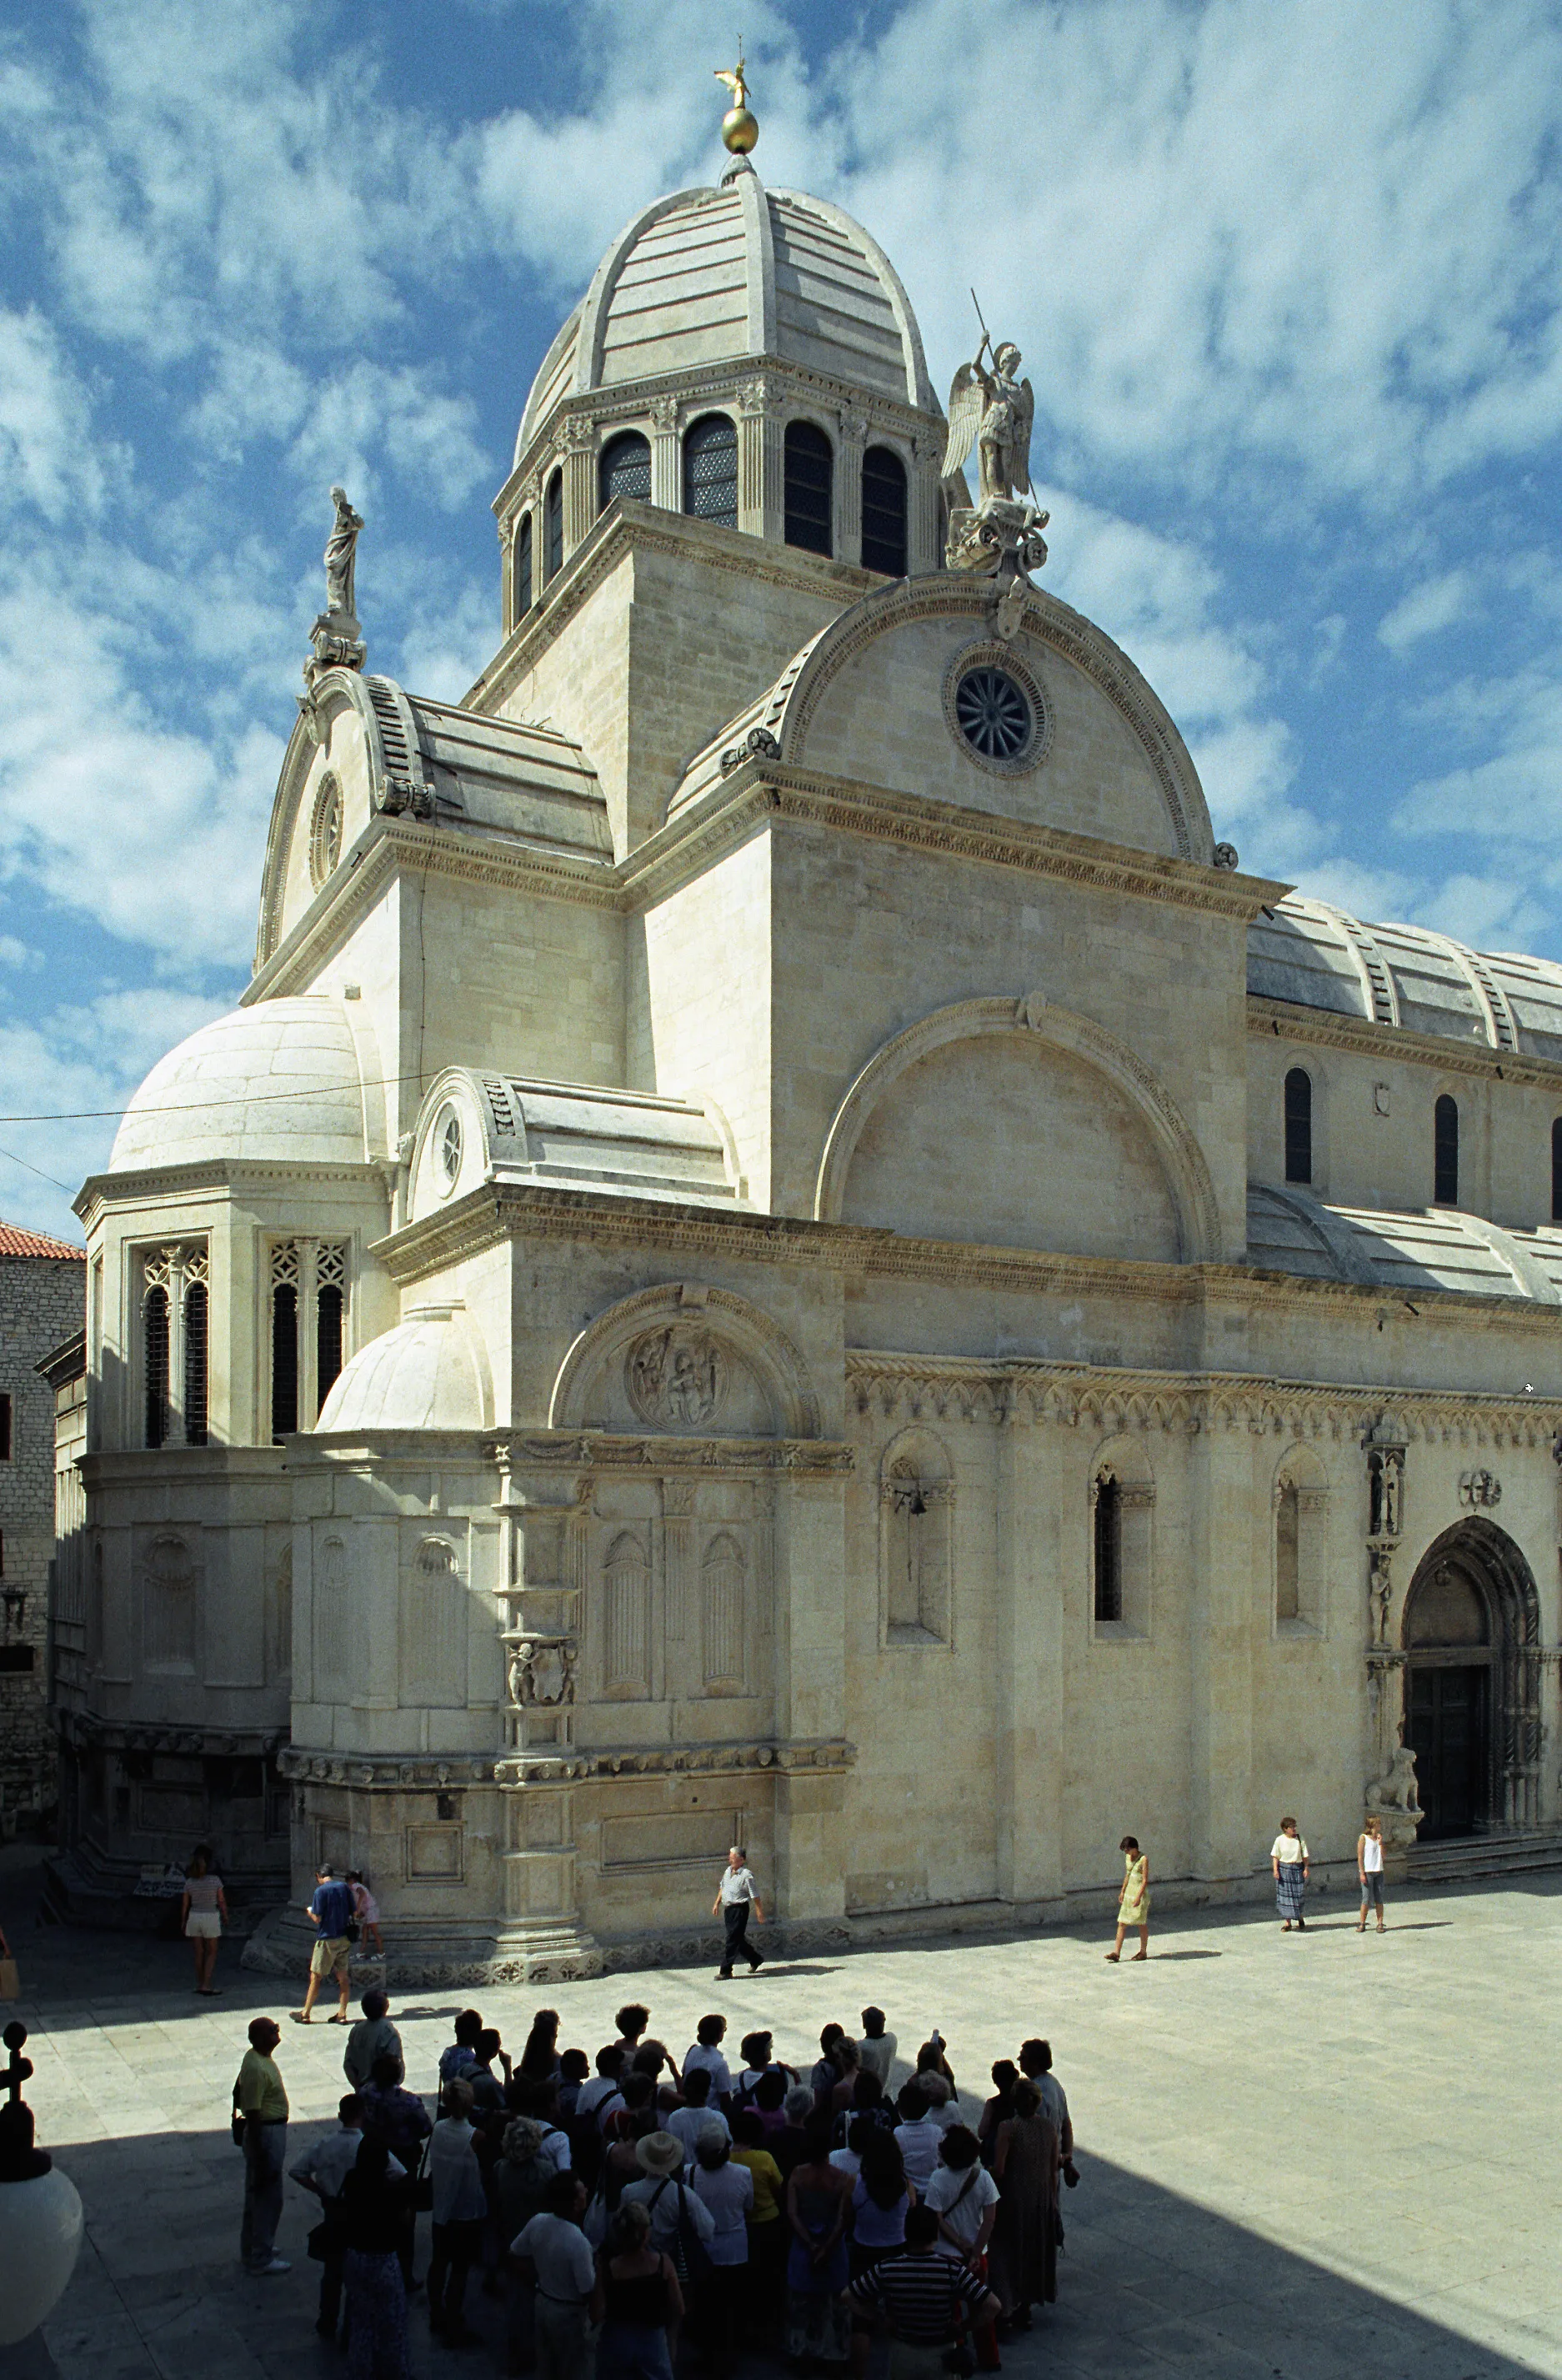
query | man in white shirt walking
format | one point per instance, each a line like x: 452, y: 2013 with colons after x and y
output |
x: 735, y: 1896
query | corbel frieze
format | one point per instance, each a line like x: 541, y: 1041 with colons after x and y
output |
x: 85, y: 1728
x: 586, y: 1450
x: 894, y: 1387
x: 815, y: 1757
x: 395, y: 1772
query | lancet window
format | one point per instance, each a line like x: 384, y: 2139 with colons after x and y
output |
x: 1298, y: 1124
x: 809, y: 488
x: 553, y: 524
x: 884, y: 512
x: 1123, y: 1498
x: 308, y: 1288
x: 623, y: 469
x: 521, y: 580
x: 174, y: 1344
x: 710, y: 469
x: 1445, y: 1153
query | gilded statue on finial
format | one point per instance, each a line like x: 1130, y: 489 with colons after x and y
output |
x: 991, y: 411
x: 740, y: 127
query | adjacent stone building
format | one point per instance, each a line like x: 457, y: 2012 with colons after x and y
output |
x: 783, y: 1249
x: 41, y: 1300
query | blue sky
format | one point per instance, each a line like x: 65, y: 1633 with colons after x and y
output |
x: 1288, y: 280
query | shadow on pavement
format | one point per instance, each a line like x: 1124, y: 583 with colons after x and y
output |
x: 1149, y: 2283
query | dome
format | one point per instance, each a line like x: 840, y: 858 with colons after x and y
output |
x: 710, y: 276
x: 426, y: 1373
x: 278, y: 1081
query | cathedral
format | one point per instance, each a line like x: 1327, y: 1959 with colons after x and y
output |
x: 783, y: 1249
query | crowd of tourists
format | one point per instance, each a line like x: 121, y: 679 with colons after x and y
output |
x: 630, y: 2209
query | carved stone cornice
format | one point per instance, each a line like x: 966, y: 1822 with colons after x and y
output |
x: 87, y: 1729
x: 896, y: 1386
x: 1320, y: 1029
x: 803, y: 1756
x: 485, y: 1218
x: 762, y: 792
x: 399, y: 1772
x: 193, y: 1182
x: 594, y: 1449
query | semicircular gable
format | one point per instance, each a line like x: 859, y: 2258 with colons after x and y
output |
x: 1063, y: 1140
x: 357, y: 737
x: 679, y: 1358
x: 870, y: 700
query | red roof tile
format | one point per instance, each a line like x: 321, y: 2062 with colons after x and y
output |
x: 16, y: 1242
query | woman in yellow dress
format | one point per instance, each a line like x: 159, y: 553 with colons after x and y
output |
x: 1134, y: 1903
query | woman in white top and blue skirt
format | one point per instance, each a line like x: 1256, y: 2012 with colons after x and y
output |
x: 1288, y: 1856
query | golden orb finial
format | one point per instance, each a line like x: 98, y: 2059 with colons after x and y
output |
x: 740, y: 127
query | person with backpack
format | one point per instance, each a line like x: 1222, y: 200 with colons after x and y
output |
x: 518, y: 2191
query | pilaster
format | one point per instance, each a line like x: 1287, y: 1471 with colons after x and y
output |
x: 925, y: 543
x: 580, y: 480
x: 811, y: 1693
x: 1221, y: 1779
x: 849, y: 486
x: 1029, y: 1653
x: 666, y: 488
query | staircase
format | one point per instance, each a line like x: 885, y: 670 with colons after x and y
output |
x: 1503, y: 1852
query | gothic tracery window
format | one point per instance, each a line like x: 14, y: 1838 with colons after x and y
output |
x: 308, y: 1281
x: 174, y: 1345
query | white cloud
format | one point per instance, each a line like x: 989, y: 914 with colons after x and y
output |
x: 1511, y: 794
x: 49, y: 457
x: 1426, y: 610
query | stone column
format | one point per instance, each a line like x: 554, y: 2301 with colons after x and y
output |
x: 1222, y: 1829
x: 849, y: 486
x: 580, y: 480
x: 540, y: 1587
x: 1029, y: 1652
x: 666, y: 476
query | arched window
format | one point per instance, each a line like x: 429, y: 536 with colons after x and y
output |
x: 710, y: 469
x: 1445, y: 1153
x: 916, y: 1540
x: 328, y: 1337
x: 521, y: 582
x: 1300, y: 1503
x: 285, y: 1342
x: 154, y: 1327
x: 1287, y: 1578
x: 1299, y: 1125
x: 1556, y: 1170
x: 809, y: 488
x: 623, y: 469
x: 884, y: 512
x: 1108, y: 1550
x: 195, y: 1363
x: 553, y: 524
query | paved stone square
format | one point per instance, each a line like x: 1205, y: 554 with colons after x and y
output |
x: 1301, y: 2155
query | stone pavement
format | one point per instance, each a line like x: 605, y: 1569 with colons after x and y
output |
x: 1302, y: 2156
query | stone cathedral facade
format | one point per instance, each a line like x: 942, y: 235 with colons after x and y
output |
x: 783, y: 1249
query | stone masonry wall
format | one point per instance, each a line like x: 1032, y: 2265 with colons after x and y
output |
x: 41, y: 1302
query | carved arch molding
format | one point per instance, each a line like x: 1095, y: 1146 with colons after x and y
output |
x: 1503, y: 1580
x: 711, y: 1318
x: 1181, y: 1160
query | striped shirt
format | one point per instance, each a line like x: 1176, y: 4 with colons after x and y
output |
x: 920, y: 2293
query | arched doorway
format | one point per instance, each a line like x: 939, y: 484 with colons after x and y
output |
x: 1471, y: 1637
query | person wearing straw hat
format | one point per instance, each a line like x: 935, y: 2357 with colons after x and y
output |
x: 661, y: 2191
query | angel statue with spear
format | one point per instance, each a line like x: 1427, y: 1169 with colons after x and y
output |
x: 992, y: 411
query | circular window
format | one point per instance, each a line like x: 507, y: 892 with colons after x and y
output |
x: 993, y: 715
x: 448, y: 1141
x: 325, y: 832
x: 996, y: 710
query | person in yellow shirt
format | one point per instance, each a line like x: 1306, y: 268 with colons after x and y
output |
x: 259, y: 2098
x: 767, y: 2229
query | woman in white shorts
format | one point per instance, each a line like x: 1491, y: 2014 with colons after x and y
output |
x: 201, y: 1916
x: 1369, y: 1867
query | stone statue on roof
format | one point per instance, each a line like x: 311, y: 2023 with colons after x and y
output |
x: 340, y: 558
x: 992, y: 411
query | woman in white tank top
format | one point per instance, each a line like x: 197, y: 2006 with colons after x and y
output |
x: 1369, y: 1867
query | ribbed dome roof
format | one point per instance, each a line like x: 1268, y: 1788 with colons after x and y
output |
x: 709, y: 276
x: 277, y: 1081
x: 1307, y: 953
